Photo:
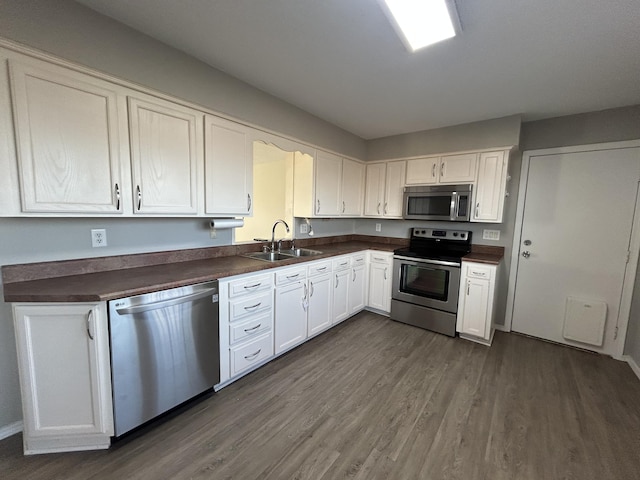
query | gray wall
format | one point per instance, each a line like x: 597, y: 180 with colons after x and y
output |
x: 79, y: 34
x: 499, y: 132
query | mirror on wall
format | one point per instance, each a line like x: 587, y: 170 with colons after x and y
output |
x: 272, y: 194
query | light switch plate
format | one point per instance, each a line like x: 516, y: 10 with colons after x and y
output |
x: 378, y: 227
x: 304, y: 228
x: 491, y: 235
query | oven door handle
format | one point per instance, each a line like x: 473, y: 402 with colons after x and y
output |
x: 427, y: 261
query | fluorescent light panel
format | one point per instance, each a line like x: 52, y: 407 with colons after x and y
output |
x: 421, y: 22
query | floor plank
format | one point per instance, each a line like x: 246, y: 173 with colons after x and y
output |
x: 376, y: 399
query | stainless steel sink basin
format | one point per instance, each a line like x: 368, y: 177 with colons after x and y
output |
x: 268, y: 256
x: 301, y: 252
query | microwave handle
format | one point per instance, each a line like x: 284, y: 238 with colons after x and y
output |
x: 455, y: 205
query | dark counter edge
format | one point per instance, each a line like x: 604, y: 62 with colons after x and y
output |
x: 209, y: 264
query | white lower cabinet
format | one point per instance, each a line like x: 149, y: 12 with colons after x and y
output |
x: 246, y: 324
x: 476, y: 302
x: 319, y: 314
x: 358, y: 284
x: 291, y: 308
x: 65, y: 376
x: 340, y: 280
x: 380, y: 264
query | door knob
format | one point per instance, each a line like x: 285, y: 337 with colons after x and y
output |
x: 526, y: 254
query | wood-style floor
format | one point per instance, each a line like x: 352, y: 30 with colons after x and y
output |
x: 375, y: 399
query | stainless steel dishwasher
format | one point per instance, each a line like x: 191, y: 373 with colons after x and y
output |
x: 164, y: 351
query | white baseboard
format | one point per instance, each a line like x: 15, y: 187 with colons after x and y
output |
x: 11, y: 429
x: 632, y: 363
x: 501, y: 328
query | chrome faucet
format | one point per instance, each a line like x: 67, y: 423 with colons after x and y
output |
x: 273, y: 234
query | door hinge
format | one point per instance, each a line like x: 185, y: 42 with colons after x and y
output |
x: 615, y: 333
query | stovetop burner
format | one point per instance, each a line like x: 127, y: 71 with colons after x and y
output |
x: 434, y: 244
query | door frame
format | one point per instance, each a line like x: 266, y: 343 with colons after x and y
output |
x: 622, y: 322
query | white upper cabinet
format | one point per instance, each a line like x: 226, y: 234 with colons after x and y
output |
x: 228, y: 167
x: 352, y: 187
x: 458, y: 168
x: 69, y: 128
x: 490, y: 188
x: 384, y: 189
x: 328, y: 185
x: 423, y: 171
x: 166, y: 156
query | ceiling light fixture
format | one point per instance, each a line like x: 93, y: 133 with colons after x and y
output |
x: 422, y: 22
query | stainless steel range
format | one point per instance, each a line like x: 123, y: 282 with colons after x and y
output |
x: 426, y: 279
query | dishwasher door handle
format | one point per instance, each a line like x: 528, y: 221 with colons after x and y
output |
x: 167, y: 303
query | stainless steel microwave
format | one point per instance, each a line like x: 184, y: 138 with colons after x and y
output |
x: 450, y: 203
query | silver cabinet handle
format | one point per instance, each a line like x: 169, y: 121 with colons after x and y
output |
x: 343, y: 264
x: 380, y: 259
x: 378, y: 208
x: 343, y: 206
x: 385, y: 208
x: 433, y: 170
x: 89, y: 324
x: 251, y: 307
x: 354, y: 275
x: 477, y: 208
x: 318, y: 208
x: 139, y: 192
x: 255, y: 285
x: 310, y: 289
x: 442, y: 169
x: 385, y: 273
x: 253, y: 355
x: 320, y: 269
x: 253, y: 329
x: 337, y: 281
x: 468, y: 286
x: 293, y: 276
x: 248, y: 202
x: 117, y: 197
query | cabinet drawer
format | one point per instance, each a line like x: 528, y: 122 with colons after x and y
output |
x: 244, y: 307
x: 341, y: 263
x: 473, y: 270
x: 358, y: 259
x: 249, y: 285
x: 318, y: 268
x: 382, y: 258
x: 246, y: 356
x: 250, y: 328
x: 291, y: 275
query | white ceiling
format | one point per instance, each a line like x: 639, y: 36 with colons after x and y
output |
x: 342, y: 61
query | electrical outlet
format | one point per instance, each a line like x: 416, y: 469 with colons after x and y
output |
x: 98, y: 237
x: 378, y: 227
x: 491, y: 235
x: 304, y: 228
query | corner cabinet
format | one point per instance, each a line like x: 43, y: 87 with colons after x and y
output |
x: 65, y: 376
x: 70, y: 129
x: 476, y: 302
x: 228, y: 167
x: 166, y: 156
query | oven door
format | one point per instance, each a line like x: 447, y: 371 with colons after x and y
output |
x: 430, y: 283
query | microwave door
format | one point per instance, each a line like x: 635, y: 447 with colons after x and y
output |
x: 428, y: 206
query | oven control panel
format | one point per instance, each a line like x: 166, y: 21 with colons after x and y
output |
x: 419, y: 232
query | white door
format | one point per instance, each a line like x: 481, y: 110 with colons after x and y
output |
x: 352, y: 187
x: 328, y: 181
x: 374, y: 190
x: 319, y: 318
x: 394, y: 189
x: 291, y: 316
x: 577, y: 219
x: 357, y: 289
x: 340, y: 295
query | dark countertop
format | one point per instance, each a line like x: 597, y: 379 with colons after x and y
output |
x: 121, y: 283
x: 483, y: 258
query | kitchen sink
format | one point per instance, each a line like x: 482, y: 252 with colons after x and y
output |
x: 301, y: 252
x: 269, y: 256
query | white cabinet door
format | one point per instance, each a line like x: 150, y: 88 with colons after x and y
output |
x: 340, y: 308
x: 228, y: 167
x: 474, y: 305
x: 291, y: 316
x: 63, y: 360
x: 394, y: 189
x: 422, y: 171
x: 458, y: 168
x: 166, y: 154
x: 352, y: 187
x: 319, y: 314
x: 490, y: 187
x: 69, y: 134
x: 357, y: 289
x: 375, y: 189
x: 328, y: 184
x: 380, y: 284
